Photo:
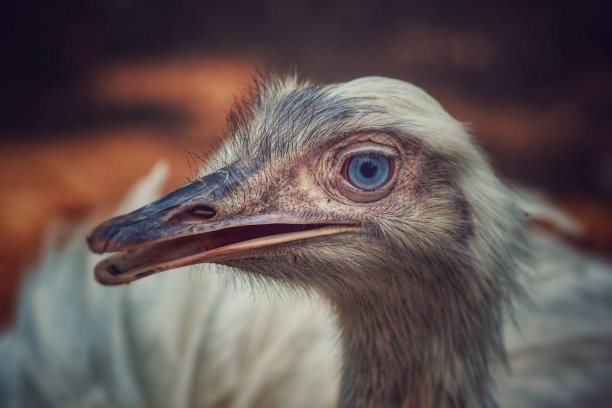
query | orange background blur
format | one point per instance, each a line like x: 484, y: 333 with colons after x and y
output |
x: 94, y: 92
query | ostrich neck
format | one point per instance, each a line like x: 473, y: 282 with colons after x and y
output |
x: 415, y: 347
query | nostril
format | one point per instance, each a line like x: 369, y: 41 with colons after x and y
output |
x: 202, y: 211
x: 197, y: 213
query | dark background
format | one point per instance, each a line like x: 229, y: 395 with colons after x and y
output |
x: 94, y: 92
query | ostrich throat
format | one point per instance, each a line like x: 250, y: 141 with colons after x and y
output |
x: 418, y: 344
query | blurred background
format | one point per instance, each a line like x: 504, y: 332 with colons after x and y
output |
x: 94, y: 92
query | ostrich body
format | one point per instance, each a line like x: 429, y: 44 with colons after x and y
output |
x: 369, y: 195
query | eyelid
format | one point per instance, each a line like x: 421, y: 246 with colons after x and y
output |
x: 385, y: 151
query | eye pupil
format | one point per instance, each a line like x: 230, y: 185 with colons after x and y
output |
x: 368, y: 171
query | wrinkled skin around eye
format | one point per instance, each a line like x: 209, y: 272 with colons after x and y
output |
x: 368, y: 171
x: 360, y: 169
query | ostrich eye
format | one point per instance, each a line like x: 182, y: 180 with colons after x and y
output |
x: 368, y: 171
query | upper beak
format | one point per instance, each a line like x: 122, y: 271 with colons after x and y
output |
x: 188, y: 226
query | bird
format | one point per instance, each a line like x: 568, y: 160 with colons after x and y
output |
x: 354, y: 248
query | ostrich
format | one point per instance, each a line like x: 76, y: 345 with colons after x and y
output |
x: 368, y: 197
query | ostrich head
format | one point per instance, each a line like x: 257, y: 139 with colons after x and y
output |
x: 371, y: 194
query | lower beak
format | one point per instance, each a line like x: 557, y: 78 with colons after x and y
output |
x: 184, y: 228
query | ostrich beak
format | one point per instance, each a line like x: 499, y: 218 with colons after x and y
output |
x: 186, y: 227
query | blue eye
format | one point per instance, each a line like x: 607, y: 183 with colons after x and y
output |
x: 368, y: 171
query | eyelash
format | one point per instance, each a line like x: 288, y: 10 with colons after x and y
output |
x: 344, y: 158
x: 367, y: 150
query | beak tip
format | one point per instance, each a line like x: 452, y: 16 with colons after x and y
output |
x: 102, y: 238
x: 95, y: 244
x: 108, y: 274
